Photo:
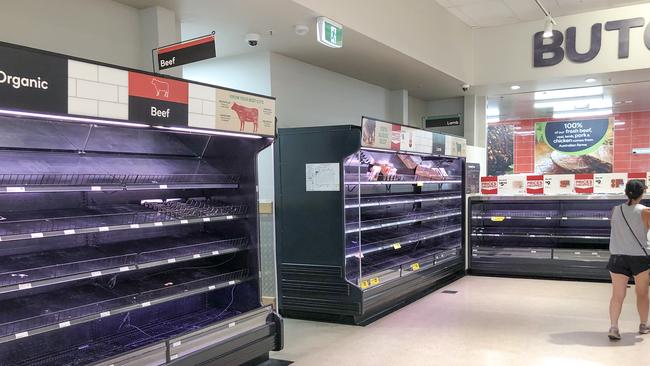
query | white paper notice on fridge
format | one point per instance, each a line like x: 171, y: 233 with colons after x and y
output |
x: 322, y: 177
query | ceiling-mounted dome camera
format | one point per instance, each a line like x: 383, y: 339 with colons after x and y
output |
x: 253, y: 39
x: 301, y: 29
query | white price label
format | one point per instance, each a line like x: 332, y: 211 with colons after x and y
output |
x: 124, y: 269
x: 96, y: 274
x: 24, y: 286
x: 69, y: 232
x: 135, y: 226
x: 185, y: 222
x: 230, y: 325
x: 104, y: 314
x: 229, y: 217
x: 173, y: 357
x: 171, y: 260
x: 195, y: 256
x: 177, y: 343
x: 145, y: 304
x: 64, y: 324
x: 157, y: 224
x: 163, y: 186
x: 37, y: 235
x: 95, y: 188
x: 212, y: 287
x: 231, y: 283
x: 104, y: 228
x: 206, y: 219
x: 22, y: 335
x: 15, y: 189
x: 215, y: 252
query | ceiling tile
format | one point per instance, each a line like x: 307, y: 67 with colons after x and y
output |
x: 580, y: 6
x: 489, y: 12
x: 463, y: 17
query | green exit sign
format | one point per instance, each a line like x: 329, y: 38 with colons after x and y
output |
x: 330, y: 33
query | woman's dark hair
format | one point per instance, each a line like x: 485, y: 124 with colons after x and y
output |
x: 634, y: 189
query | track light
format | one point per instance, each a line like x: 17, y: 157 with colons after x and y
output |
x: 548, y: 28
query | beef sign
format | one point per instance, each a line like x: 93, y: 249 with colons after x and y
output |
x: 551, y: 53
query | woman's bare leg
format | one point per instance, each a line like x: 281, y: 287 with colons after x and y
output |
x: 641, y: 283
x: 619, y: 287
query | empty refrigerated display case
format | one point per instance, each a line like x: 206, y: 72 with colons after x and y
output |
x: 549, y: 236
x: 387, y: 231
x: 124, y: 243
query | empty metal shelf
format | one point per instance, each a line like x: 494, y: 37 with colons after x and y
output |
x: 46, y: 268
x: 400, y: 220
x: 43, y: 224
x: 25, y: 316
x: 398, y: 239
x: 17, y: 183
x: 388, y: 200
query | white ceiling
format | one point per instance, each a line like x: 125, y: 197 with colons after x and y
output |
x: 361, y: 57
x: 492, y: 13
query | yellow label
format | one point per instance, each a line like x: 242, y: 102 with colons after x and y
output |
x: 374, y: 281
x: 397, y: 246
x: 415, y: 266
x: 498, y: 218
x: 364, y: 284
x: 420, y: 184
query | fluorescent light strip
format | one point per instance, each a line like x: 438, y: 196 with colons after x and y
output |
x: 71, y: 119
x: 591, y: 113
x: 207, y: 132
x: 569, y: 93
x: 575, y: 104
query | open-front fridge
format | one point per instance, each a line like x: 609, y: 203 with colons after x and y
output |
x: 363, y: 230
x: 543, y: 236
x: 126, y: 241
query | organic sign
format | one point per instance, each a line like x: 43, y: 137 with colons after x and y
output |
x: 574, y: 147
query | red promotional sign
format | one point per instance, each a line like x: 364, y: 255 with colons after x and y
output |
x: 153, y: 87
x: 584, y: 183
x: 535, y: 184
x: 489, y: 185
x: 396, y: 138
x: 158, y: 100
x: 641, y: 176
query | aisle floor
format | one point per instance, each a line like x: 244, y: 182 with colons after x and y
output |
x: 490, y: 321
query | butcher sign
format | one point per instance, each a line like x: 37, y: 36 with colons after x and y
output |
x: 240, y: 112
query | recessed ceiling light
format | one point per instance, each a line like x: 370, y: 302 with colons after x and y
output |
x: 590, y: 80
x: 628, y: 101
x: 515, y: 87
x: 617, y: 103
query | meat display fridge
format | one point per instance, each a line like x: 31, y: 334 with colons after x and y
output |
x: 544, y: 236
x: 124, y: 243
x: 363, y: 231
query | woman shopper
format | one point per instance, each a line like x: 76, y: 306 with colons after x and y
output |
x: 628, y: 246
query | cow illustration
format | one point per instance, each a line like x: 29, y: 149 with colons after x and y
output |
x: 246, y: 114
x: 162, y: 87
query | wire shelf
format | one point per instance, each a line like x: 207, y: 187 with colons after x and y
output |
x: 37, y: 269
x: 366, y: 179
x: 120, y: 217
x: 408, y: 219
x: 388, y: 200
x: 127, y: 339
x: 67, y: 182
x: 124, y: 296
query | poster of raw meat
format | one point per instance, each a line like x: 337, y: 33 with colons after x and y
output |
x: 574, y: 147
x: 500, y: 150
x: 241, y: 112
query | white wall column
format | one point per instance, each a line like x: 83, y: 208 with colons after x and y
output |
x: 474, y: 124
x: 398, y: 106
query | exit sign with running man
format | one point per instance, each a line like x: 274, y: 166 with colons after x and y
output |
x: 330, y: 33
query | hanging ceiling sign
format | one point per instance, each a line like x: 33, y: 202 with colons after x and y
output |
x: 442, y: 121
x: 553, y: 50
x: 186, y: 52
x: 329, y: 32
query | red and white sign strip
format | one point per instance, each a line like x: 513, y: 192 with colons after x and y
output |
x: 584, y: 183
x: 489, y: 185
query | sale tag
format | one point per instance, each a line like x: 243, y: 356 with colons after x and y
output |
x: 374, y: 281
x: 497, y: 218
x: 415, y: 266
x: 397, y: 246
x: 364, y: 284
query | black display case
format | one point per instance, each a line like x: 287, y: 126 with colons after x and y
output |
x: 123, y: 243
x: 541, y: 236
x: 388, y: 231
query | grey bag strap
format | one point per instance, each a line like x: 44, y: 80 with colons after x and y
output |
x: 632, y: 231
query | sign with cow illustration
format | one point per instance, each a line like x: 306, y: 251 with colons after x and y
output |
x: 241, y: 112
x: 159, y: 101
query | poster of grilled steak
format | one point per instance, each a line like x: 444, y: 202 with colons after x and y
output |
x: 574, y: 147
x: 500, y: 149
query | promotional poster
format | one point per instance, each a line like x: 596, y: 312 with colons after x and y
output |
x: 574, y: 147
x: 500, y: 150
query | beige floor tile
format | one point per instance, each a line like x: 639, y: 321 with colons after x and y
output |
x: 490, y: 321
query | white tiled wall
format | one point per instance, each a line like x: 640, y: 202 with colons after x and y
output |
x: 97, y: 91
x: 202, y: 108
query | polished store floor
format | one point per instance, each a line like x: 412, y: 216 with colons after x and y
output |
x: 490, y: 321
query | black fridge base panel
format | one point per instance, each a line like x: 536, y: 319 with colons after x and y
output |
x: 363, y: 307
x: 540, y: 268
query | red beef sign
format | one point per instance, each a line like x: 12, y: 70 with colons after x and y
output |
x: 489, y: 185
